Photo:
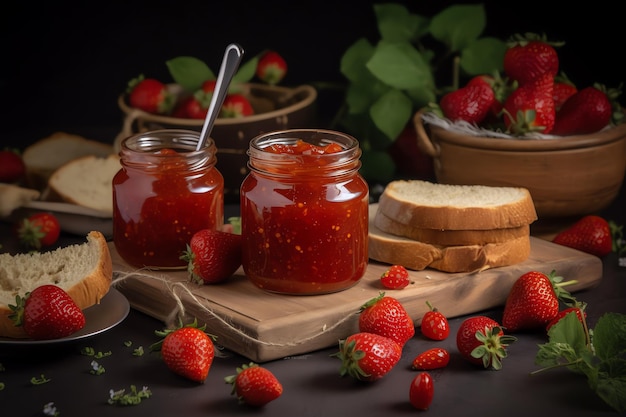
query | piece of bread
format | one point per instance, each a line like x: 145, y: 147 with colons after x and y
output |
x: 449, y: 237
x: 45, y: 156
x: 427, y: 205
x: 412, y: 254
x: 87, y: 182
x: 13, y: 197
x: 83, y: 270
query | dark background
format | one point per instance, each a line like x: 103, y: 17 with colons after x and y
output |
x: 64, y: 64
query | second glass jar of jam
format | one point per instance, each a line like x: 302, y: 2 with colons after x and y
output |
x: 165, y: 191
x: 304, y: 212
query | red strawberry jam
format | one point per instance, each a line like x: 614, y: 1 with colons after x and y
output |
x: 304, y: 213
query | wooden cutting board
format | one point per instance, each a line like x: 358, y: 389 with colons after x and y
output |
x: 264, y: 326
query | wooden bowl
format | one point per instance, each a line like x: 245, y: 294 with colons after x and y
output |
x: 567, y: 177
x: 276, y: 108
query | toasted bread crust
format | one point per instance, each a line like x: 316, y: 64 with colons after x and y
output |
x: 85, y: 289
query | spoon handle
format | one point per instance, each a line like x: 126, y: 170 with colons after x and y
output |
x: 230, y: 64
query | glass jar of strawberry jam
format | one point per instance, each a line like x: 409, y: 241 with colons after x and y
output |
x: 304, y: 212
x: 164, y: 193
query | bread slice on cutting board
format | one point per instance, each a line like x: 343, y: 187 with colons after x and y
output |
x: 84, y: 271
x: 451, y: 228
x: 428, y: 205
x: 416, y: 255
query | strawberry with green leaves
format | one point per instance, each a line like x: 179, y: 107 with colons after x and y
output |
x: 254, y: 385
x: 387, y: 317
x: 367, y: 356
x: 471, y: 103
x: 591, y: 234
x: 39, y: 230
x: 236, y: 105
x: 421, y: 391
x: 589, y: 110
x: 271, y: 68
x: 212, y: 256
x: 150, y: 95
x: 481, y: 341
x: 564, y: 88
x: 530, y: 108
x: 187, y: 351
x: 530, y: 56
x: 433, y: 358
x: 395, y: 277
x: 578, y: 309
x: 434, y: 324
x: 533, y: 301
x: 47, y: 312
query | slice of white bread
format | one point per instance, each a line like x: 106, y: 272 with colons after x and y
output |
x: 449, y: 237
x: 13, y: 197
x: 87, y: 182
x: 427, y: 205
x: 46, y: 155
x: 83, y: 270
x: 413, y: 254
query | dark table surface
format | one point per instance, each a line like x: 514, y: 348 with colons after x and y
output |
x: 312, y: 385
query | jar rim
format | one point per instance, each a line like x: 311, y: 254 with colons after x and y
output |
x: 180, y: 139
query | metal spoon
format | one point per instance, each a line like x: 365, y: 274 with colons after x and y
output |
x: 230, y: 64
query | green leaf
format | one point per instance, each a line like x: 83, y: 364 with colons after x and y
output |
x: 391, y: 112
x: 189, y: 72
x: 246, y: 71
x: 377, y: 166
x: 353, y: 61
x: 361, y: 96
x: 458, y: 25
x: 400, y: 65
x: 483, y: 56
x: 609, y: 336
x: 397, y: 24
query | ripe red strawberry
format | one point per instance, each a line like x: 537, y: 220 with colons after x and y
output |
x: 591, y: 234
x: 47, y: 312
x: 150, y: 95
x: 395, y: 278
x: 187, y: 351
x: 254, y: 385
x: 578, y: 310
x: 471, y: 103
x: 236, y: 105
x: 271, y: 68
x: 533, y: 301
x: 481, y: 341
x: 433, y: 358
x: 530, y: 108
x: 421, y: 391
x: 39, y: 230
x: 563, y: 89
x: 12, y: 167
x: 387, y: 317
x: 587, y: 111
x: 367, y: 356
x: 212, y: 256
x: 434, y: 324
x: 530, y: 57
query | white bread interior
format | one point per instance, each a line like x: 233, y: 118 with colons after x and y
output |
x: 87, y: 182
x: 83, y: 270
x: 427, y: 205
x: 46, y: 155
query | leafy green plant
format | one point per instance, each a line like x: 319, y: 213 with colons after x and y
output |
x: 598, y: 353
x: 406, y: 69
